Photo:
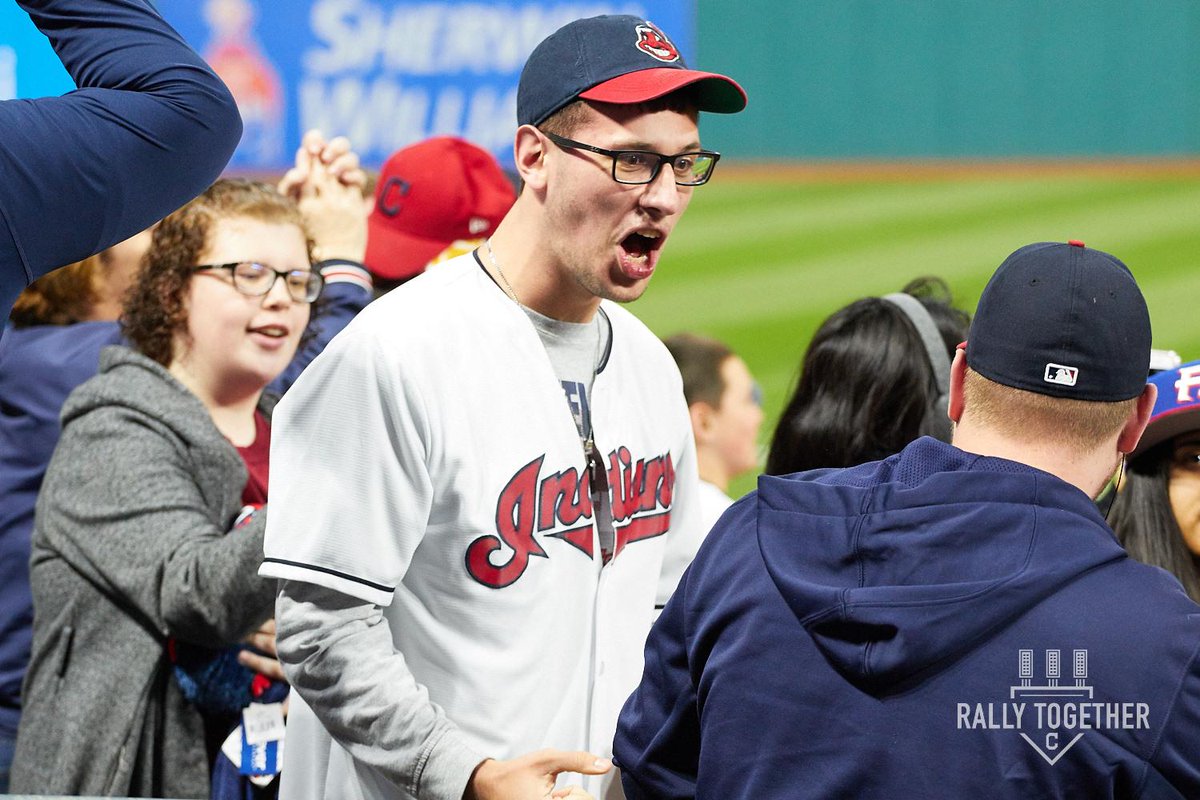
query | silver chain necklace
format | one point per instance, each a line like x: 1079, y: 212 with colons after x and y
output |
x: 599, y: 479
x: 512, y: 293
x: 487, y: 243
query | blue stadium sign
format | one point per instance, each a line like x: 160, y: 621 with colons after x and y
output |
x: 385, y: 73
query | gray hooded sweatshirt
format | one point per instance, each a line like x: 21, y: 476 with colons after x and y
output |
x: 132, y: 545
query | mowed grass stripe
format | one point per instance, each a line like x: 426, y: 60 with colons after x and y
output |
x: 881, y: 258
x: 1058, y: 217
x: 716, y: 230
x: 1168, y: 270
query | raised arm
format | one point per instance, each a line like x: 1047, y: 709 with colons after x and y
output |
x: 327, y: 183
x: 150, y: 127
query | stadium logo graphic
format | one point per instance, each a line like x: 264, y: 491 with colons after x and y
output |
x: 655, y: 43
x: 1054, y: 715
x: 1057, y: 373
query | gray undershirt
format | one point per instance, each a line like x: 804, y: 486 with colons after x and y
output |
x: 576, y: 351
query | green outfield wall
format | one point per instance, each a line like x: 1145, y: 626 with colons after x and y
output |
x: 956, y: 78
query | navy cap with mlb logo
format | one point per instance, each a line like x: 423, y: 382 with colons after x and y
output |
x: 614, y: 59
x: 1063, y: 320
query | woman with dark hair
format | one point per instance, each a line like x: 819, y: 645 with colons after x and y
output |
x: 149, y: 524
x: 869, y: 383
x: 1156, y: 514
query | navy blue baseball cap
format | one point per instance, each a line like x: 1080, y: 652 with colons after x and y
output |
x: 1177, y: 409
x: 1063, y: 320
x: 614, y: 59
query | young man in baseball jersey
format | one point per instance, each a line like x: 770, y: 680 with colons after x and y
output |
x: 470, y: 559
x: 956, y: 620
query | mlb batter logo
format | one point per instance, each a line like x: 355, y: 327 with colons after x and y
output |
x: 655, y: 43
x: 1062, y: 375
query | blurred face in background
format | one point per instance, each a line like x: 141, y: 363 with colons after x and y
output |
x: 1183, y: 487
x: 236, y: 343
x: 734, y: 424
x: 119, y: 267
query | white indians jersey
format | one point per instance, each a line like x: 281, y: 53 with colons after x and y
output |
x: 427, y: 462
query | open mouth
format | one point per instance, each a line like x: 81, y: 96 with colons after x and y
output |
x: 639, y: 253
x: 271, y: 331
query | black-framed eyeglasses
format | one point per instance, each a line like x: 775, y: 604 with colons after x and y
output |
x: 643, y: 166
x: 255, y: 280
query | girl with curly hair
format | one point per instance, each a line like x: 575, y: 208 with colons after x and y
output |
x: 149, y: 525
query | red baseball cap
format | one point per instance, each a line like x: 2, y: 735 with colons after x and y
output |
x: 430, y: 195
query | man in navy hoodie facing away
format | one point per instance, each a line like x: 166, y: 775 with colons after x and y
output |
x: 957, y: 620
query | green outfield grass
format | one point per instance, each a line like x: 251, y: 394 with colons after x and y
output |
x: 759, y: 263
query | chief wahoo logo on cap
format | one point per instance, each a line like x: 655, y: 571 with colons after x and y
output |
x: 654, y: 42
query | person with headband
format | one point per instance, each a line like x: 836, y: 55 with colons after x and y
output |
x: 956, y: 620
x: 874, y: 378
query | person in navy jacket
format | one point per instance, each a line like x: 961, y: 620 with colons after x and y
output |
x: 953, y: 621
x: 149, y: 128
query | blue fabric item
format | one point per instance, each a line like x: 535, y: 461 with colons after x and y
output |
x: 229, y: 784
x: 8, y: 744
x: 868, y: 633
x: 149, y: 128
x: 39, y: 367
x: 213, y: 680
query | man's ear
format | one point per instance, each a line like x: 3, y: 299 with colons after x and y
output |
x: 703, y: 417
x: 1131, y: 434
x: 529, y: 154
x: 958, y: 372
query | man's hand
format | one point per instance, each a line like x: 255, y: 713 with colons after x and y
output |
x: 531, y: 776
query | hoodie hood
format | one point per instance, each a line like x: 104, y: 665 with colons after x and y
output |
x: 901, y: 565
x: 128, y: 378
x: 138, y: 388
